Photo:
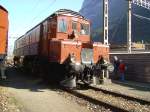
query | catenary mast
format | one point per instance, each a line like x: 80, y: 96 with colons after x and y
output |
x: 129, y: 26
x: 105, y: 21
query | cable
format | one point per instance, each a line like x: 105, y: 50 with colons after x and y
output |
x: 38, y: 15
x: 43, y: 10
x: 36, y: 4
x: 117, y: 26
x: 33, y: 9
x: 141, y: 17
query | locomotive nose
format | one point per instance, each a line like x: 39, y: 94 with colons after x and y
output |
x: 87, y: 56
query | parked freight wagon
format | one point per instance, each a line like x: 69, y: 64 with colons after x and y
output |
x: 3, y: 39
x: 3, y: 32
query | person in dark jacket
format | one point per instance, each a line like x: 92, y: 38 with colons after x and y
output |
x: 116, y: 66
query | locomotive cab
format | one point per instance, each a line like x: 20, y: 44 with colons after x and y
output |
x: 73, y: 27
x: 73, y: 41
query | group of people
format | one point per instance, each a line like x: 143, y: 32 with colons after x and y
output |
x: 119, y: 68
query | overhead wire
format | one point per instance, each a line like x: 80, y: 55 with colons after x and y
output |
x: 116, y: 28
x: 39, y: 14
x: 35, y: 6
x: 43, y: 10
x: 32, y: 9
x: 141, y: 17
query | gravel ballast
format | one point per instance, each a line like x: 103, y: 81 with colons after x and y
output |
x: 117, y: 101
x: 7, y: 102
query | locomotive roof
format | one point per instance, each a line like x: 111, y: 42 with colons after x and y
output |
x: 59, y: 12
x: 1, y: 7
x: 67, y: 11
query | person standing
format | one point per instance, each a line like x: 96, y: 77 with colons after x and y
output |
x: 122, y: 68
x: 116, y: 66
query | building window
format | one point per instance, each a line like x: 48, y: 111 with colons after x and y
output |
x: 85, y: 29
x: 74, y: 26
x: 62, y: 25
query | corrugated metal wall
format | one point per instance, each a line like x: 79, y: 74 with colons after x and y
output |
x: 138, y: 66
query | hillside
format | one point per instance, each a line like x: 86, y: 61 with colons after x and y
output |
x: 92, y: 9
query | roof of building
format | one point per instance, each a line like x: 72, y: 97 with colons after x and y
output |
x: 67, y: 11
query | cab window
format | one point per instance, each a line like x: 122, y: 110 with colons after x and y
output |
x: 62, y: 25
x: 74, y: 26
x: 84, y: 29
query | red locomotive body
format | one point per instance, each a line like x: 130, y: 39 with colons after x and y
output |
x: 63, y: 36
x: 3, y: 32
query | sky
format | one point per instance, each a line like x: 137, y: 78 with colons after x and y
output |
x: 25, y: 14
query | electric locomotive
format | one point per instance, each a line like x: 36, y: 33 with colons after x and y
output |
x: 61, y: 43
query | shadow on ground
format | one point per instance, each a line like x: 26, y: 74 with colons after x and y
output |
x: 19, y: 80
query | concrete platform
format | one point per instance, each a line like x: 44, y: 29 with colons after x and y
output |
x: 135, y: 89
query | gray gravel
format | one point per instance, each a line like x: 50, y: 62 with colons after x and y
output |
x: 117, y: 101
x: 90, y: 106
x: 7, y: 102
x: 134, y: 91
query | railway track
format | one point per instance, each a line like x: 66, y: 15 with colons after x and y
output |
x: 141, y: 101
x: 94, y: 101
x: 110, y: 100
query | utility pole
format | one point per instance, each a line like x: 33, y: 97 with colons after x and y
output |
x: 129, y: 26
x: 105, y: 21
x: 105, y: 73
